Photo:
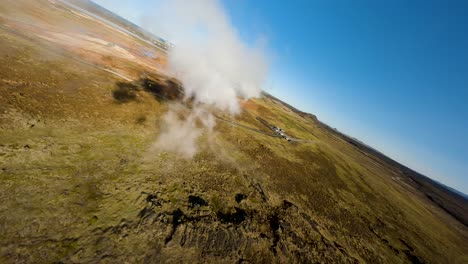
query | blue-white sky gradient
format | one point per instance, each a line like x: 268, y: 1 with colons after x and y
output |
x: 393, y: 74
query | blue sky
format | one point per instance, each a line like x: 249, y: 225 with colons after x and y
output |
x: 393, y: 74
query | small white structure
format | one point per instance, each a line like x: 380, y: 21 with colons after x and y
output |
x: 281, y: 132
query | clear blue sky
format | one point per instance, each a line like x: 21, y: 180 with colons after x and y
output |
x: 393, y: 74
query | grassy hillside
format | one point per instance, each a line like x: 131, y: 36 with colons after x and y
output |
x: 81, y: 182
x: 451, y: 201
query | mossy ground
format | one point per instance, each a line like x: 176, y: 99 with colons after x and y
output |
x: 80, y: 182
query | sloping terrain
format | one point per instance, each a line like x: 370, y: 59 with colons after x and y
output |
x: 81, y: 105
x: 453, y: 202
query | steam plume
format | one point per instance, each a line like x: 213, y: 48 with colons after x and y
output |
x: 210, y: 59
x: 180, y: 135
x: 215, y: 67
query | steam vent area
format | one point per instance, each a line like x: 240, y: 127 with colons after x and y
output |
x: 108, y: 156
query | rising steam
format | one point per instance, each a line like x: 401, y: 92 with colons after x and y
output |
x: 179, y: 134
x: 215, y: 67
x: 210, y: 59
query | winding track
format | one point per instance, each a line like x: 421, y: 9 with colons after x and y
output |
x: 262, y: 132
x: 248, y: 128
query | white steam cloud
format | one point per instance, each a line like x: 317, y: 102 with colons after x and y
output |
x: 208, y: 57
x: 180, y: 135
x: 215, y: 67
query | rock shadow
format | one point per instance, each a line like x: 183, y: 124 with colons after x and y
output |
x: 125, y: 92
x: 163, y: 90
x: 160, y: 89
